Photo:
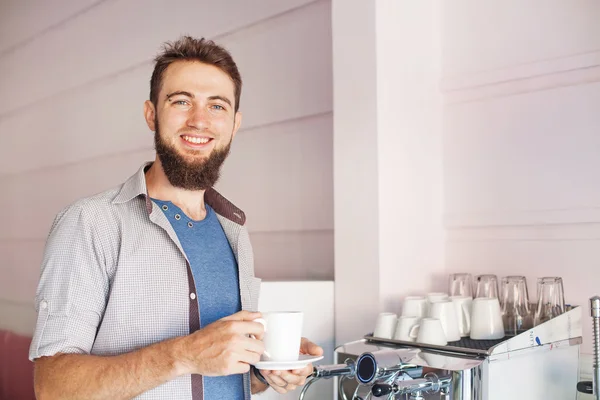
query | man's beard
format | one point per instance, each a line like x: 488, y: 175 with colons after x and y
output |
x: 200, y: 174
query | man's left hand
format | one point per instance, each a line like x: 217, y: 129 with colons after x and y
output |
x: 286, y: 381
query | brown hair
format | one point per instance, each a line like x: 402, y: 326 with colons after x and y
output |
x: 188, y: 48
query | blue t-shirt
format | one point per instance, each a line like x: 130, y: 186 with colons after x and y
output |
x: 215, y: 272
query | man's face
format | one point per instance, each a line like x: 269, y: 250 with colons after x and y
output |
x: 194, y: 123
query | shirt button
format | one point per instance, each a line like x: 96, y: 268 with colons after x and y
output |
x: 193, y: 296
x: 43, y: 304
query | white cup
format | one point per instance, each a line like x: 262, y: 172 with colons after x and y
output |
x: 463, y: 306
x: 433, y: 297
x: 414, y: 306
x: 486, y: 319
x: 385, y: 325
x: 406, y: 328
x: 283, y: 334
x: 445, y: 311
x: 437, y: 296
x: 431, y: 332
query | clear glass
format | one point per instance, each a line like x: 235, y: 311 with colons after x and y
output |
x: 516, y: 313
x: 460, y: 285
x: 486, y: 286
x: 551, y: 299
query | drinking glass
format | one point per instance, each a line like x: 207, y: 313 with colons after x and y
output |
x: 516, y: 313
x: 460, y: 285
x: 486, y: 286
x: 551, y: 299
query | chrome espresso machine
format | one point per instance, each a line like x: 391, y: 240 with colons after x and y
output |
x: 539, y: 364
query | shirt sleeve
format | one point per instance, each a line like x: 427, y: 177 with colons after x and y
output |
x: 73, y: 288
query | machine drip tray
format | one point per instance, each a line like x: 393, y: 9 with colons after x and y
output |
x: 464, y: 345
x: 472, y: 344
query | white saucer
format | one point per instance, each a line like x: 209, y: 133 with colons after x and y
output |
x: 302, y: 361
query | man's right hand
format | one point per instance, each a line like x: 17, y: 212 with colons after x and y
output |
x: 223, y: 347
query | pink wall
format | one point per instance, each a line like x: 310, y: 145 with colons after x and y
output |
x: 521, y: 84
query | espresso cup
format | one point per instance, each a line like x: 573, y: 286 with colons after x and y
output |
x: 431, y: 332
x: 445, y: 311
x: 414, y: 306
x: 385, y: 325
x: 486, y: 319
x: 406, y: 328
x: 283, y: 334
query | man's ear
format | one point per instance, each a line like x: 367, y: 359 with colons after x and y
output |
x: 150, y: 115
x: 236, y: 123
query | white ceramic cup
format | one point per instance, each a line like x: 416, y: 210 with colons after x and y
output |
x: 431, y: 332
x: 463, y: 306
x: 486, y: 319
x: 406, y: 328
x: 283, y: 334
x: 433, y: 297
x: 445, y: 311
x: 414, y: 306
x: 385, y: 325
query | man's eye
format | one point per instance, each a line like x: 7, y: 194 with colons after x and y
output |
x: 218, y: 107
x: 180, y: 102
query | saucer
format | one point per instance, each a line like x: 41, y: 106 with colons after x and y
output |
x: 302, y: 361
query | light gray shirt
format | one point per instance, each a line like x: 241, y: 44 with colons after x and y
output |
x: 114, y: 279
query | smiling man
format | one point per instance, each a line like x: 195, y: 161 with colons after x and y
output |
x: 148, y: 290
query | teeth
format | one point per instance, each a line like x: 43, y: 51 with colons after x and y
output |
x: 196, y: 140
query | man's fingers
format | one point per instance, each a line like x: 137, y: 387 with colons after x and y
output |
x: 306, y: 371
x: 276, y: 383
x: 249, y: 357
x: 254, y: 346
x: 243, y: 316
x: 308, y: 347
x: 293, y: 379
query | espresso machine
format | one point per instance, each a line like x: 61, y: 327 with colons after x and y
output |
x: 541, y: 363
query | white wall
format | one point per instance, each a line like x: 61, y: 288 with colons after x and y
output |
x: 74, y: 76
x: 521, y: 84
x: 388, y: 187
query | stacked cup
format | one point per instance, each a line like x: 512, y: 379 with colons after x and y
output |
x: 478, y: 310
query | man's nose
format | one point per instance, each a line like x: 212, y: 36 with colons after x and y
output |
x: 199, y: 118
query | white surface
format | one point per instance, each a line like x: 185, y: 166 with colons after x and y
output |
x: 387, y: 117
x: 315, y: 299
x: 539, y: 375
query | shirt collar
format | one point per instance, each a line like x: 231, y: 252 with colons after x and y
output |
x: 136, y: 186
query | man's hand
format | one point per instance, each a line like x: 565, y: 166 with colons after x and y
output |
x: 286, y: 381
x: 223, y: 347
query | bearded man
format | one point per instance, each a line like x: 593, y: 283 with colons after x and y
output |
x: 148, y: 290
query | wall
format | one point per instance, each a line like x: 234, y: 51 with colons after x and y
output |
x: 74, y: 76
x: 388, y: 188
x: 521, y: 85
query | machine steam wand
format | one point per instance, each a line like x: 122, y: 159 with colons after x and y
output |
x: 587, y: 386
x: 346, y: 370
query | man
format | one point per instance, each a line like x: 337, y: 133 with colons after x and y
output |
x: 147, y: 289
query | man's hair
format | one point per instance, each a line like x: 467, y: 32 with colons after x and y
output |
x: 188, y: 48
